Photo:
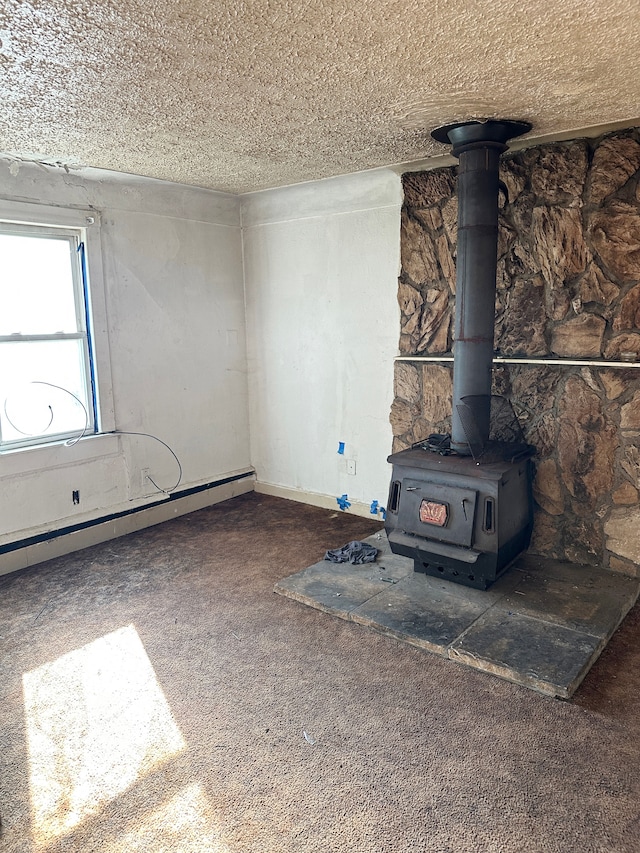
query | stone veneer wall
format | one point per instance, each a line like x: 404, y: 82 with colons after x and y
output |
x: 568, y: 286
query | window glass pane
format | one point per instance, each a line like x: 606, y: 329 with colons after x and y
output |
x: 36, y: 285
x: 30, y: 408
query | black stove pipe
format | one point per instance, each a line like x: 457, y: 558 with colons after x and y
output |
x: 478, y: 146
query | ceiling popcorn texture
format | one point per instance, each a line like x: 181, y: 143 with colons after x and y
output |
x: 240, y: 96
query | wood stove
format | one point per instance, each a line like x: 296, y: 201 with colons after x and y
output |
x: 461, y: 506
x: 458, y: 518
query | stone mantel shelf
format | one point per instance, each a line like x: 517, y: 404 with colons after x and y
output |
x: 501, y: 359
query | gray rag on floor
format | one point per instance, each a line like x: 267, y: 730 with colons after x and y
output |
x: 353, y: 552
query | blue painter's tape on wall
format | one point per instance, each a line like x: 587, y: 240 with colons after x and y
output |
x: 374, y: 508
x: 343, y: 502
x: 341, y: 447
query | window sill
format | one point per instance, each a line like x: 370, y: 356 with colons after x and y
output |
x: 57, y: 454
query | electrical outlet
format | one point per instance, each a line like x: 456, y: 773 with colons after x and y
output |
x: 145, y: 483
x: 351, y: 466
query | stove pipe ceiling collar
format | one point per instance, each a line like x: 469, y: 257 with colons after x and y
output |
x: 478, y: 146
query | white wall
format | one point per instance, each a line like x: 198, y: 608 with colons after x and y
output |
x: 172, y: 263
x: 321, y: 267
x: 320, y: 279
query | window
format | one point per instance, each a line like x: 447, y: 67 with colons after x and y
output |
x: 48, y: 388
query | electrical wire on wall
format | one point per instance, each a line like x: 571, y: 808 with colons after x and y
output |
x: 164, y: 444
x: 71, y: 441
x: 50, y: 413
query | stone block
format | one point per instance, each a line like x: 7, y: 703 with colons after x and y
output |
x: 586, y: 443
x: 545, y: 539
x: 625, y: 567
x: 560, y: 247
x: 432, y: 333
x: 423, y: 189
x: 406, y: 383
x: 450, y: 219
x: 628, y: 314
x: 514, y: 176
x: 630, y: 413
x: 547, y: 488
x: 431, y: 218
x: 625, y: 495
x: 520, y: 329
x: 445, y: 259
x: 615, y: 234
x: 614, y: 161
x: 630, y: 463
x: 418, y: 255
x: 542, y: 433
x: 437, y: 385
x: 536, y: 387
x: 402, y: 416
x: 622, y: 532
x: 409, y: 299
x: 596, y: 287
x: 580, y: 337
x: 614, y: 382
x: 623, y: 347
x: 559, y: 172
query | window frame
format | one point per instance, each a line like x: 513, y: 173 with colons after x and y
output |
x: 85, y: 223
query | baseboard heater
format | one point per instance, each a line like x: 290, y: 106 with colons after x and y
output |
x: 103, y: 519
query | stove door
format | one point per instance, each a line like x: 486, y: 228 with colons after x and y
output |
x: 437, y: 511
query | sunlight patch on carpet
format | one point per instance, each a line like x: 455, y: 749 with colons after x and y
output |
x: 96, y: 721
x: 183, y: 824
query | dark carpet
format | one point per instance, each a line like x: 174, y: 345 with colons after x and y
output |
x: 155, y: 695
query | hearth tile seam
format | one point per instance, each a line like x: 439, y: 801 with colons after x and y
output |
x: 403, y: 637
x: 529, y: 678
x: 369, y: 600
x: 499, y: 603
x: 606, y: 636
x: 383, y: 592
x: 345, y: 614
x: 530, y: 681
x: 466, y: 657
x: 300, y: 598
x: 480, y: 616
x: 308, y: 601
x: 406, y: 637
x: 598, y: 637
x: 451, y: 654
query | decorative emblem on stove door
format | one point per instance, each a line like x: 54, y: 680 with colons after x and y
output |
x: 434, y: 512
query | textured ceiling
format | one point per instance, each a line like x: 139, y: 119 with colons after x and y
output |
x: 240, y: 96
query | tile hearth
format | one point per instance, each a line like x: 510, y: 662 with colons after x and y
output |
x: 542, y: 625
